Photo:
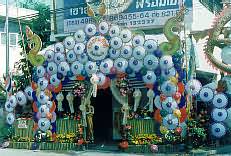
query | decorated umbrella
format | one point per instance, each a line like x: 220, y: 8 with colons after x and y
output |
x: 77, y: 68
x: 219, y: 114
x: 44, y: 124
x: 59, y: 47
x: 42, y: 97
x: 121, y: 64
x: 150, y: 45
x: 220, y: 100
x: 166, y: 62
x: 8, y: 107
x: 218, y: 130
x: 49, y: 104
x: 21, y: 98
x: 168, y: 88
x: 42, y: 83
x: 52, y: 68
x: 193, y: 87
x: 49, y: 55
x: 80, y: 36
x: 157, y: 102
x: 135, y: 64
x: 71, y: 56
x: 10, y: 118
x: 90, y: 29
x: 13, y: 101
x: 106, y: 65
x: 83, y: 58
x: 53, y: 117
x: 103, y: 27
x: 63, y: 68
x: 151, y: 62
x: 91, y: 67
x: 126, y: 35
x: 54, y: 80
x: 59, y: 57
x: 149, y: 78
x: 40, y: 71
x: 228, y: 119
x: 138, y: 40
x: 116, y: 42
x: 69, y: 42
x: 102, y: 78
x: 168, y: 73
x: 139, y: 52
x: 28, y: 92
x: 43, y: 110
x: 169, y: 104
x: 114, y: 31
x: 114, y: 54
x: 79, y: 48
x: 206, y: 94
x: 184, y: 127
x: 170, y: 122
x: 126, y: 51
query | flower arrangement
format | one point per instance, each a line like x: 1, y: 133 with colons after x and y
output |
x: 122, y: 84
x: 67, y: 138
x: 80, y: 89
x: 146, y: 139
x: 21, y: 139
x: 196, y: 134
x: 125, y: 131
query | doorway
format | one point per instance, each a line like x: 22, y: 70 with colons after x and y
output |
x: 102, y: 119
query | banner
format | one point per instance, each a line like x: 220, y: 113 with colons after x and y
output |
x: 22, y: 124
x: 139, y: 14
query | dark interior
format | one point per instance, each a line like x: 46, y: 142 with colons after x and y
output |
x: 103, y: 116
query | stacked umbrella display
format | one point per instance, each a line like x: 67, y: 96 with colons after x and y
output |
x: 217, y: 101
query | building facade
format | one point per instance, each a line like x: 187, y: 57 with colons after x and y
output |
x: 14, y: 34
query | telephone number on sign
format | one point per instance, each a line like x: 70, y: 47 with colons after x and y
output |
x: 135, y: 23
x: 142, y: 15
x: 78, y: 21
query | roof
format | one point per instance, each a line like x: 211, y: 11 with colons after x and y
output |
x: 15, y: 12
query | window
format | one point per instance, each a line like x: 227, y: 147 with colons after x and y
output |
x: 3, y: 38
x: 13, y: 38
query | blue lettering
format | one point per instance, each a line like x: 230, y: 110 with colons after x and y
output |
x: 162, y: 3
x: 139, y: 4
x: 173, y: 2
x: 154, y: 3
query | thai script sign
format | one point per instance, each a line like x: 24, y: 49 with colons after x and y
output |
x: 140, y: 13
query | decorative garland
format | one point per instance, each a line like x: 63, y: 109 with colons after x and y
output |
x: 173, y: 44
x: 223, y: 18
x: 33, y: 56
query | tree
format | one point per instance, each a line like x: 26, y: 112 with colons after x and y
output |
x: 41, y: 26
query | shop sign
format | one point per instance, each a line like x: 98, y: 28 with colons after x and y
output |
x: 22, y: 124
x: 140, y: 13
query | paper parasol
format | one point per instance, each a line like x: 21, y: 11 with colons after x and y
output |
x: 206, y: 94
x: 170, y: 121
x: 193, y: 87
x: 219, y: 114
x: 218, y: 130
x: 220, y: 100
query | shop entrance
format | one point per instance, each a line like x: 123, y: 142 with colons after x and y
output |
x: 103, y: 116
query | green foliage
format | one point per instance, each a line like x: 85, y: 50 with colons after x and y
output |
x: 196, y: 134
x: 41, y: 26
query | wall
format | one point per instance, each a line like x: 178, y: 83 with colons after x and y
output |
x: 14, y: 56
x: 15, y: 50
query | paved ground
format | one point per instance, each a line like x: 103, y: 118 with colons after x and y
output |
x: 14, y: 152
